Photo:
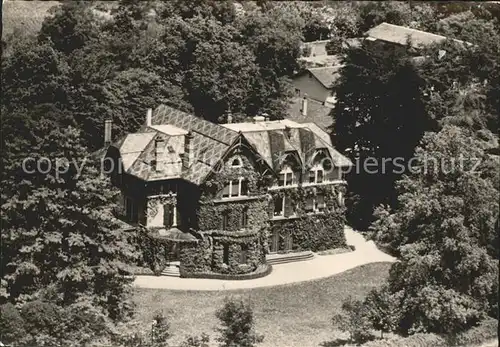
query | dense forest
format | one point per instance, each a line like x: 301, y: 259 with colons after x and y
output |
x: 63, y: 256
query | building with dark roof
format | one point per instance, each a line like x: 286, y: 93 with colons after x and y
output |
x: 215, y: 199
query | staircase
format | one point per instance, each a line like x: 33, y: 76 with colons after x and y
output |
x: 274, y: 259
x: 172, y: 270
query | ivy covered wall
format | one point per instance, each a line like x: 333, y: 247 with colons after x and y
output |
x: 224, y: 253
x: 314, y: 231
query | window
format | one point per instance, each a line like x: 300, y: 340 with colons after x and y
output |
x: 131, y: 210
x: 286, y: 177
x: 279, y: 206
x: 244, y: 254
x: 225, y: 254
x: 244, y: 217
x: 168, y: 215
x: 225, y: 220
x: 237, y: 162
x: 309, y: 204
x: 316, y: 175
x: 235, y: 188
x: 320, y: 203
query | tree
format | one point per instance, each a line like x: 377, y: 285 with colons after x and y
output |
x: 353, y: 319
x: 382, y: 310
x: 379, y: 115
x: 34, y: 74
x: 70, y: 28
x: 58, y: 227
x: 446, y: 223
x: 237, y: 321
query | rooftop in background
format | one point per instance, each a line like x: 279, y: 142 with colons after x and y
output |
x: 316, y: 113
x: 326, y: 75
x: 399, y: 35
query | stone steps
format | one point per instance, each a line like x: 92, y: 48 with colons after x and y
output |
x: 274, y: 259
x: 171, y: 271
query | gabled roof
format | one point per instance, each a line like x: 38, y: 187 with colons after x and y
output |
x: 316, y: 113
x: 211, y: 142
x: 271, y: 139
x: 399, y: 35
x: 326, y: 75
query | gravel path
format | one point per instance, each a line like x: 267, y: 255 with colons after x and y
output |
x: 320, y: 266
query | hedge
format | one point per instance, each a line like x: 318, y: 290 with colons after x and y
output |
x: 261, y: 271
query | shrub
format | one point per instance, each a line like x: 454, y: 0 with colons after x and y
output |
x: 160, y: 331
x: 353, y: 319
x: 41, y: 318
x: 237, y: 322
x: 485, y: 330
x: 11, y: 324
x: 382, y: 310
x: 195, y: 341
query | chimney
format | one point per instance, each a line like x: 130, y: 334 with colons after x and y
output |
x: 107, y: 131
x: 188, y: 157
x: 159, y: 153
x: 304, y: 105
x: 149, y: 116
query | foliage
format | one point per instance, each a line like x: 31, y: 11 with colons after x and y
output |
x: 59, y: 230
x: 367, y: 117
x: 195, y: 341
x: 353, y: 319
x: 382, y: 310
x: 237, y: 329
x: 11, y: 324
x: 445, y: 229
x: 160, y: 333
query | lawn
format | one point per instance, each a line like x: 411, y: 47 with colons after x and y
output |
x: 288, y: 315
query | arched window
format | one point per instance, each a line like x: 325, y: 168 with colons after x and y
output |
x: 237, y: 162
x: 320, y: 163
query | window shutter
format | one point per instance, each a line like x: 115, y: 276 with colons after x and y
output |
x: 288, y: 207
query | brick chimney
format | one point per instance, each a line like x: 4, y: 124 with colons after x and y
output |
x: 304, y: 105
x: 188, y: 157
x: 159, y: 154
x: 108, y: 123
x: 149, y: 116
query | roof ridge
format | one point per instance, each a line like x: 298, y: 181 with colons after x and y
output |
x: 412, y: 29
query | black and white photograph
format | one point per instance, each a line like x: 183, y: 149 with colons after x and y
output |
x: 222, y: 173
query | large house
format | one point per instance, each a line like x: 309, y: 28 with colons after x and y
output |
x: 219, y: 199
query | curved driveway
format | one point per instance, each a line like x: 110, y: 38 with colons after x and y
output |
x: 320, y: 266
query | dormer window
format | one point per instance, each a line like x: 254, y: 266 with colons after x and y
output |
x: 316, y: 174
x: 286, y: 177
x: 237, y: 162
